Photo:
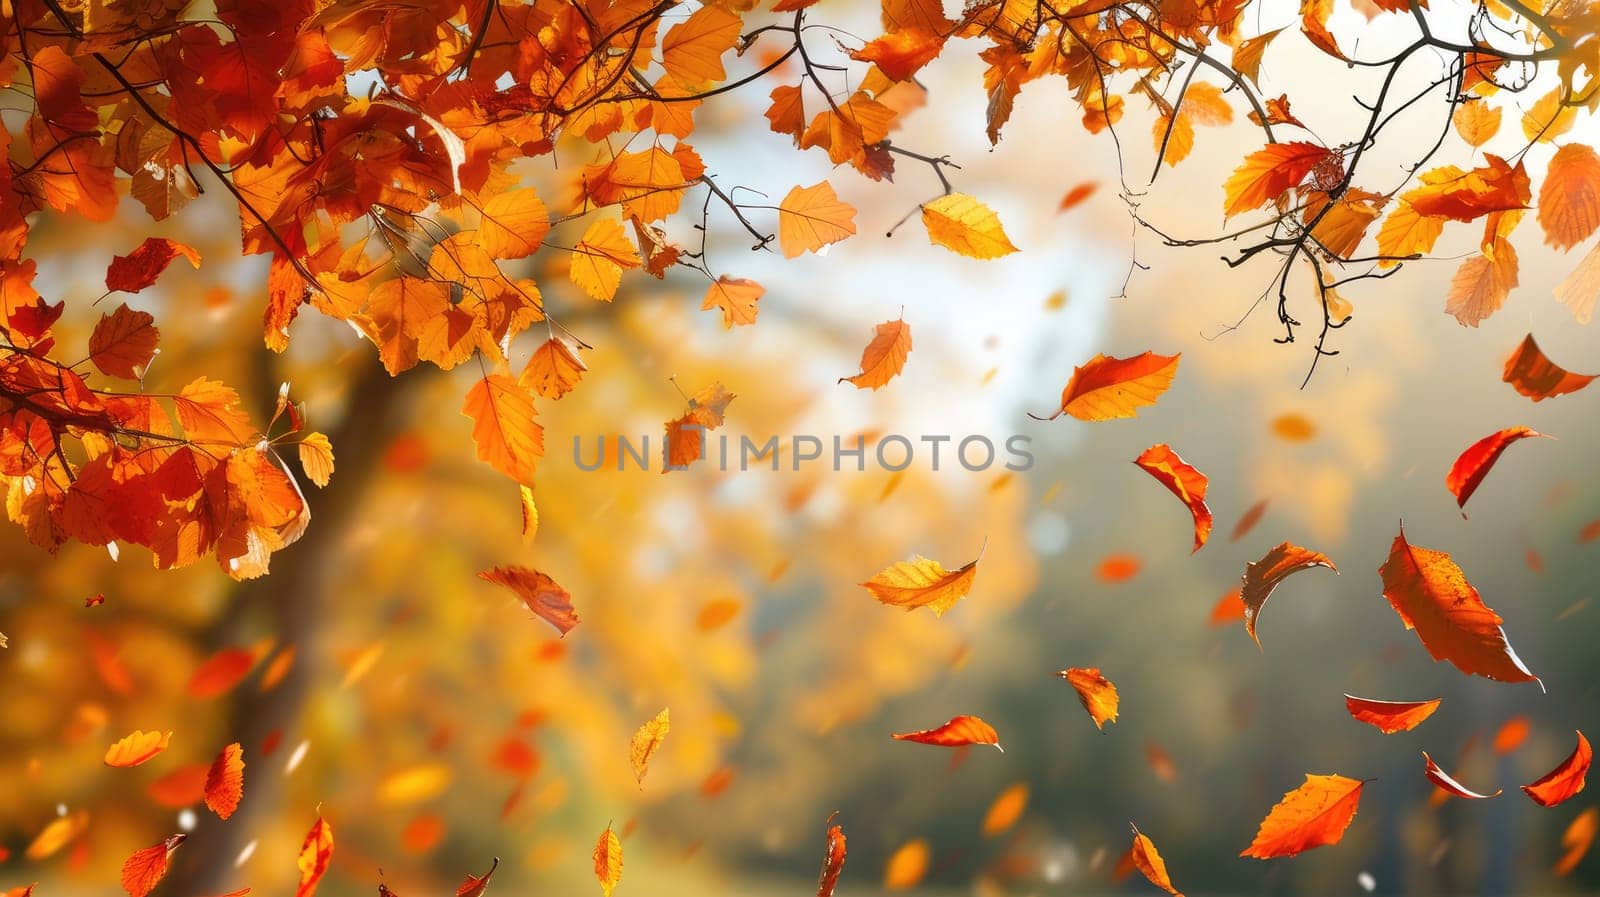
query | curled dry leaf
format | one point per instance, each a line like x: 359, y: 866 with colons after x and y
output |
x: 1182, y: 480
x: 1475, y: 463
x: 646, y: 741
x: 475, y: 885
x: 884, y: 357
x: 1106, y: 388
x: 833, y: 855
x: 959, y: 731
x: 144, y: 869
x: 1433, y: 597
x: 1314, y: 815
x: 608, y: 861
x: 316, y: 851
x: 137, y: 748
x: 962, y: 224
x: 538, y: 592
x: 140, y: 268
x: 1095, y: 692
x: 1390, y: 717
x: 922, y: 582
x: 1534, y: 375
x: 225, y: 781
x: 1148, y: 861
x: 1262, y: 576
x: 1445, y: 783
x: 1565, y: 780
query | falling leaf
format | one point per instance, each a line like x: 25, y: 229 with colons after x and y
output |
x: 1006, y: 810
x: 608, y: 860
x: 1095, y: 692
x: 1248, y: 520
x: 1228, y: 609
x: 1475, y: 463
x: 884, y: 357
x: 221, y: 672
x: 1314, y: 815
x: 1294, y: 427
x: 1117, y: 568
x: 475, y: 885
x: 832, y: 861
x: 1537, y: 377
x: 144, y: 869
x: 124, y: 342
x: 140, y: 268
x: 1432, y: 596
x: 530, y: 513
x: 538, y: 593
x: 1262, y: 576
x: 136, y: 748
x: 646, y: 741
x: 959, y: 731
x: 225, y: 781
x: 1148, y: 861
x: 1577, y: 839
x: 1182, y: 480
x: 921, y: 582
x: 315, y: 854
x: 1569, y: 200
x: 1390, y: 716
x: 810, y: 218
x: 1077, y: 195
x: 56, y: 834
x: 907, y: 865
x: 1511, y: 734
x: 1107, y: 388
x: 1445, y: 783
x: 736, y: 297
x: 965, y: 226
x: 1567, y: 779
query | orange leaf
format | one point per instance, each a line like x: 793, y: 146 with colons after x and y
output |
x: 608, y: 860
x: 686, y: 435
x: 1006, y: 810
x: 1432, y: 596
x: 832, y: 861
x: 538, y: 592
x: 884, y: 357
x: 1106, y: 388
x: 1475, y: 463
x: 1077, y: 195
x: 1148, y: 861
x: 138, y: 269
x: 1248, y: 520
x: 1476, y: 122
x: 136, y: 748
x: 1095, y: 692
x: 554, y: 370
x: 922, y: 582
x: 1577, y: 839
x: 1117, y: 568
x: 692, y: 50
x: 959, y: 731
x: 1293, y: 427
x: 221, y: 672
x: 1270, y: 172
x: 124, y: 342
x: 315, y: 854
x: 965, y: 226
x: 1445, y: 783
x: 1229, y: 607
x: 1390, y: 716
x: 1566, y: 780
x: 178, y: 789
x: 1182, y: 480
x: 646, y: 741
x: 906, y: 866
x: 901, y: 54
x: 600, y: 257
x: 810, y: 218
x: 225, y: 781
x: 1537, y: 377
x: 1314, y: 815
x: 475, y: 885
x: 1262, y: 576
x: 143, y: 869
x: 503, y: 426
x: 1569, y: 200
x: 737, y: 297
x: 513, y: 224
x: 1511, y: 734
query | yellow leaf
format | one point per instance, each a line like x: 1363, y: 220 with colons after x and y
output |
x: 884, y: 357
x: 921, y: 582
x: 316, y: 456
x: 1548, y: 119
x: 810, y: 218
x: 646, y: 741
x: 554, y: 370
x: 530, y: 514
x: 965, y: 226
x: 608, y: 860
x: 600, y: 258
x: 1405, y: 233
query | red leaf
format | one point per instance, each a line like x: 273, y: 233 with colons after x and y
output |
x: 225, y: 781
x: 1445, y: 783
x: 832, y: 861
x: 1475, y: 463
x: 143, y: 869
x: 1390, y: 716
x: 1565, y: 780
x: 138, y: 269
x: 1537, y: 377
x: 959, y: 731
x: 539, y: 593
x: 1182, y: 480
